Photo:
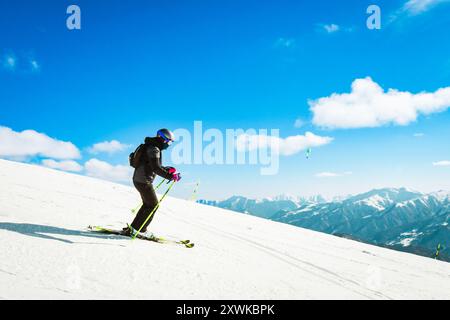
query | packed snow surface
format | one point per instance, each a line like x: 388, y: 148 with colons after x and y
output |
x: 46, y: 252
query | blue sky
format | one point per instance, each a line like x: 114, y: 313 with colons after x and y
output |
x: 137, y: 66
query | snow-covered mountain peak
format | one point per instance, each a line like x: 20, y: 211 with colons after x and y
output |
x: 375, y: 201
x: 441, y: 195
x: 387, y: 195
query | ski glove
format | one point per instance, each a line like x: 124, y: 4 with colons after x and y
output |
x: 176, y: 177
x: 171, y: 170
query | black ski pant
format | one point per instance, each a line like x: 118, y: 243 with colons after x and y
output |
x: 150, y: 201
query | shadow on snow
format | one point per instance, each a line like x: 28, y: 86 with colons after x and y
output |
x: 49, y: 232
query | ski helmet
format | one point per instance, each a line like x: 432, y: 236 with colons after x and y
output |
x: 166, y: 135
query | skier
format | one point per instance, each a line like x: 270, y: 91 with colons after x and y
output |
x: 147, y: 163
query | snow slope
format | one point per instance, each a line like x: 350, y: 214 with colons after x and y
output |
x: 46, y: 253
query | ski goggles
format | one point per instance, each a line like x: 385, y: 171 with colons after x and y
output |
x: 166, y: 140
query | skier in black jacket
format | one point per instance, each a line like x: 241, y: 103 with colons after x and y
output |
x: 148, y: 166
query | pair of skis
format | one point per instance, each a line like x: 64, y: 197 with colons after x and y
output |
x: 185, y: 243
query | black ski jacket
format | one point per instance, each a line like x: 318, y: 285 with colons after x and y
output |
x: 151, y: 163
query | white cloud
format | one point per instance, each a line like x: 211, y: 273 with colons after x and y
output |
x: 67, y: 165
x: 103, y: 170
x: 419, y: 135
x: 415, y: 7
x: 299, y: 123
x: 331, y: 28
x: 332, y: 174
x: 285, y: 43
x: 9, y: 62
x: 442, y: 163
x: 287, y: 146
x: 368, y: 105
x: 34, y: 65
x: 328, y: 175
x: 27, y: 63
x: 108, y: 147
x: 30, y: 143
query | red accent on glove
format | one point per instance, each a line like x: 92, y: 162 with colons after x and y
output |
x: 172, y: 170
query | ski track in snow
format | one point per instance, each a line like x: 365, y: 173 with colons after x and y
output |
x: 46, y: 251
x: 336, y: 279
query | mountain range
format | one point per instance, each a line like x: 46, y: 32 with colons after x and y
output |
x: 398, y: 218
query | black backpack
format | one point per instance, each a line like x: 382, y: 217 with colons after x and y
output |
x: 136, y: 158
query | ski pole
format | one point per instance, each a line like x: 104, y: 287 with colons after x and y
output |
x: 160, y: 184
x: 140, y: 205
x: 194, y: 193
x: 154, y: 209
x: 438, y: 249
